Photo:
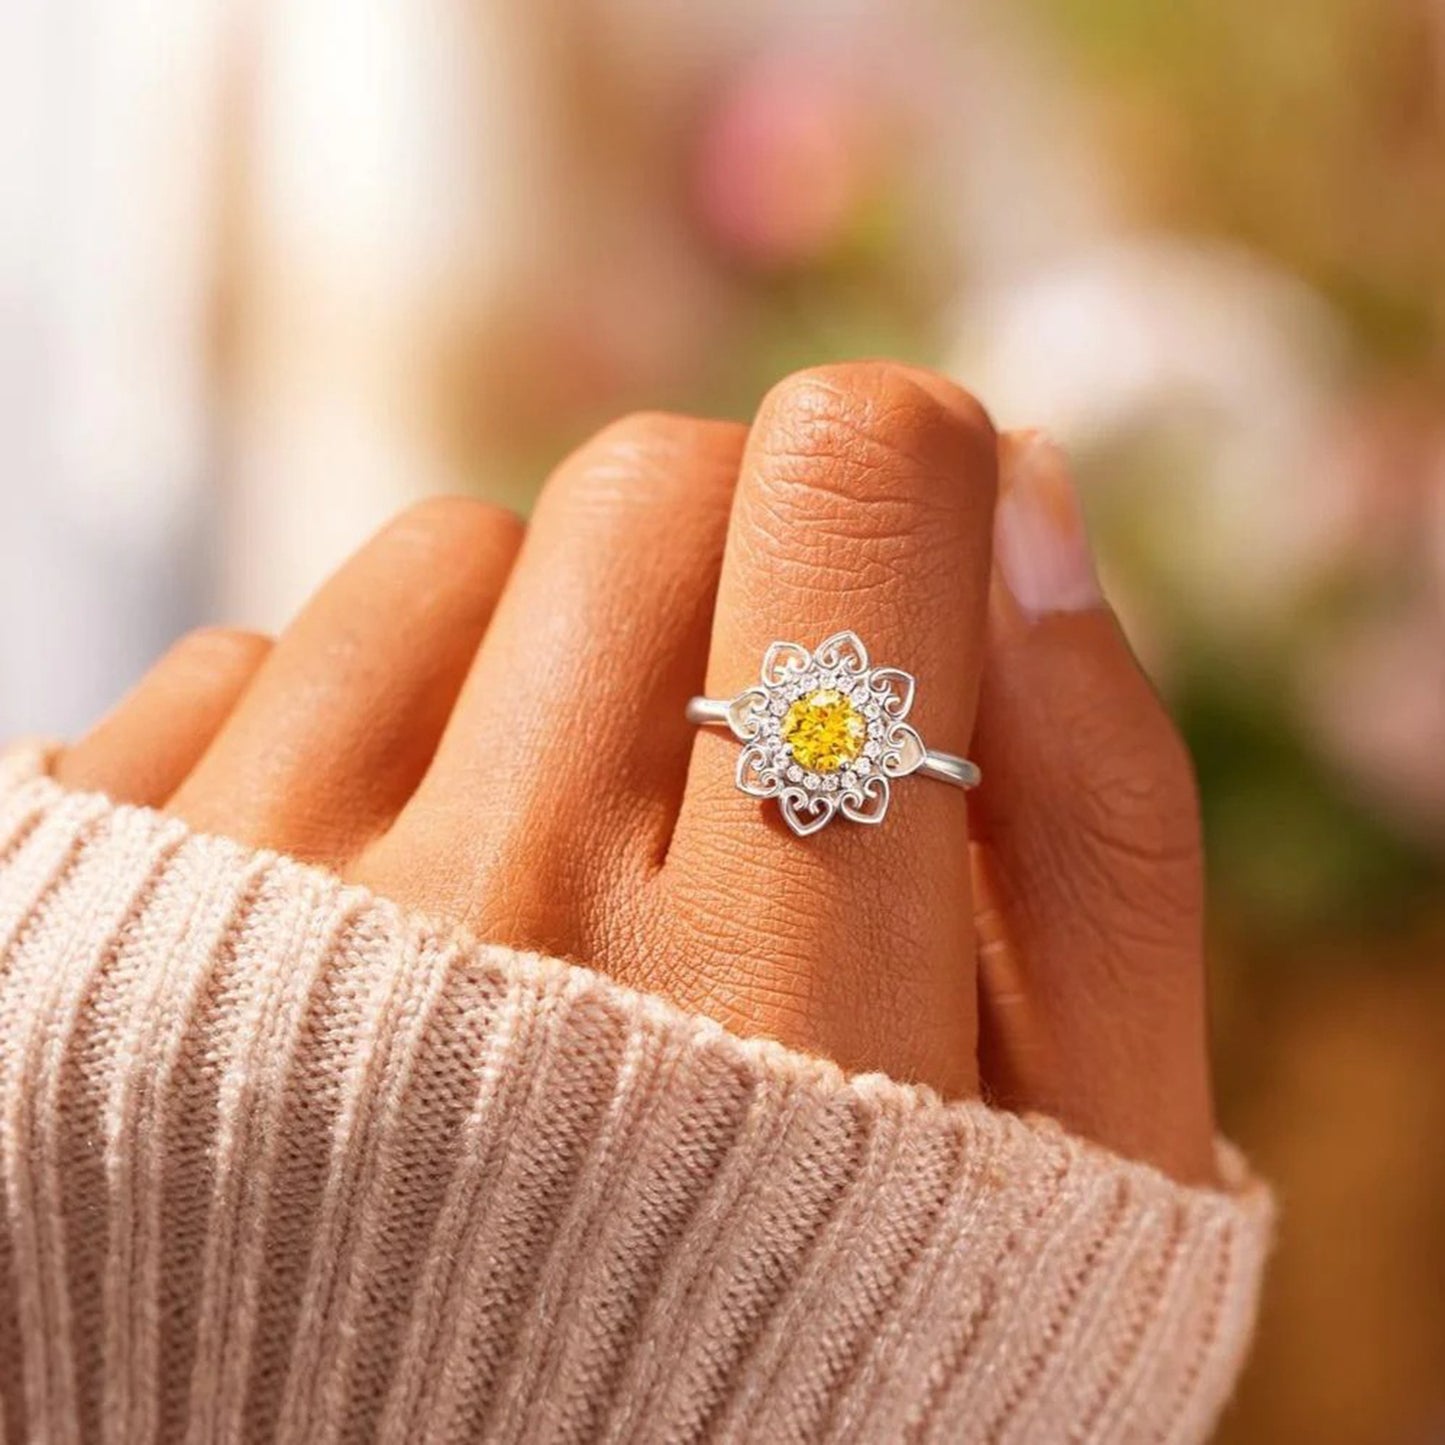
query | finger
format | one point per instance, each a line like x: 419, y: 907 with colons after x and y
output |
x: 142, y: 751
x: 563, y: 764
x: 1091, y: 966
x: 341, y: 722
x: 865, y: 502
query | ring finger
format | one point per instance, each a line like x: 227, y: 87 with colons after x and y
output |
x: 556, y: 784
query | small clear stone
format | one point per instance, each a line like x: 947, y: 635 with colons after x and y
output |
x: 795, y: 774
x: 863, y: 766
x: 870, y: 710
x: 872, y: 748
x: 812, y: 781
x: 830, y: 783
x: 778, y: 706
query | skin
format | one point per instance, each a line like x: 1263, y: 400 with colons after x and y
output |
x: 489, y: 727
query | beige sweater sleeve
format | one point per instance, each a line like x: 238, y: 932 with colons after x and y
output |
x: 282, y: 1162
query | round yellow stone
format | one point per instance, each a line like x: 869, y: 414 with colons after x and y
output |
x: 824, y: 730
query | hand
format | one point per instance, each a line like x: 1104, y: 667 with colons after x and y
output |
x: 490, y: 729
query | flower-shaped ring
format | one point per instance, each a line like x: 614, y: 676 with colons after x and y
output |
x: 823, y: 732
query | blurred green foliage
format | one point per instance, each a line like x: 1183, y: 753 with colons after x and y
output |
x: 1312, y: 129
x: 1292, y: 854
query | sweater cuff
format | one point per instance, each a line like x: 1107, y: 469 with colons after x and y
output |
x: 281, y: 1160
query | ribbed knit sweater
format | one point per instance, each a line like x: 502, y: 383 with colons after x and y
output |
x: 282, y: 1162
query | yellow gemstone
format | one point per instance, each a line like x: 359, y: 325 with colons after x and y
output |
x: 824, y: 730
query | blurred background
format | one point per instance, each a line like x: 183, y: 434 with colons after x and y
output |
x: 268, y: 270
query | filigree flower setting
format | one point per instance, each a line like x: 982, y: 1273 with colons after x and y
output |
x: 824, y: 732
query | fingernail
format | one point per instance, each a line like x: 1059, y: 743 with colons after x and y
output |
x: 1040, y: 543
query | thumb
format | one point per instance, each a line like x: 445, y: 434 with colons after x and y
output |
x: 1091, y: 967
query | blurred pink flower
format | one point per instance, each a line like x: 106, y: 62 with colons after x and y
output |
x: 788, y: 159
x: 1374, y: 689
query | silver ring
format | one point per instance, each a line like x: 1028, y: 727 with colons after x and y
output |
x: 823, y: 732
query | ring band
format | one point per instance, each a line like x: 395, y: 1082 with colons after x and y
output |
x: 823, y: 732
x: 945, y: 767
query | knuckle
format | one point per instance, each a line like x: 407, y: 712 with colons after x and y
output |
x: 647, y: 460
x: 882, y: 558
x: 829, y: 413
x: 869, y: 431
x: 222, y: 648
x: 447, y: 524
x: 1140, y: 797
x: 1114, y: 821
x: 645, y: 437
x: 450, y: 515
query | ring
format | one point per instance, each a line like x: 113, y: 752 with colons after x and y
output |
x: 823, y: 732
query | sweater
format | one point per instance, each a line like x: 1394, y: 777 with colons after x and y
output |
x: 281, y: 1161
